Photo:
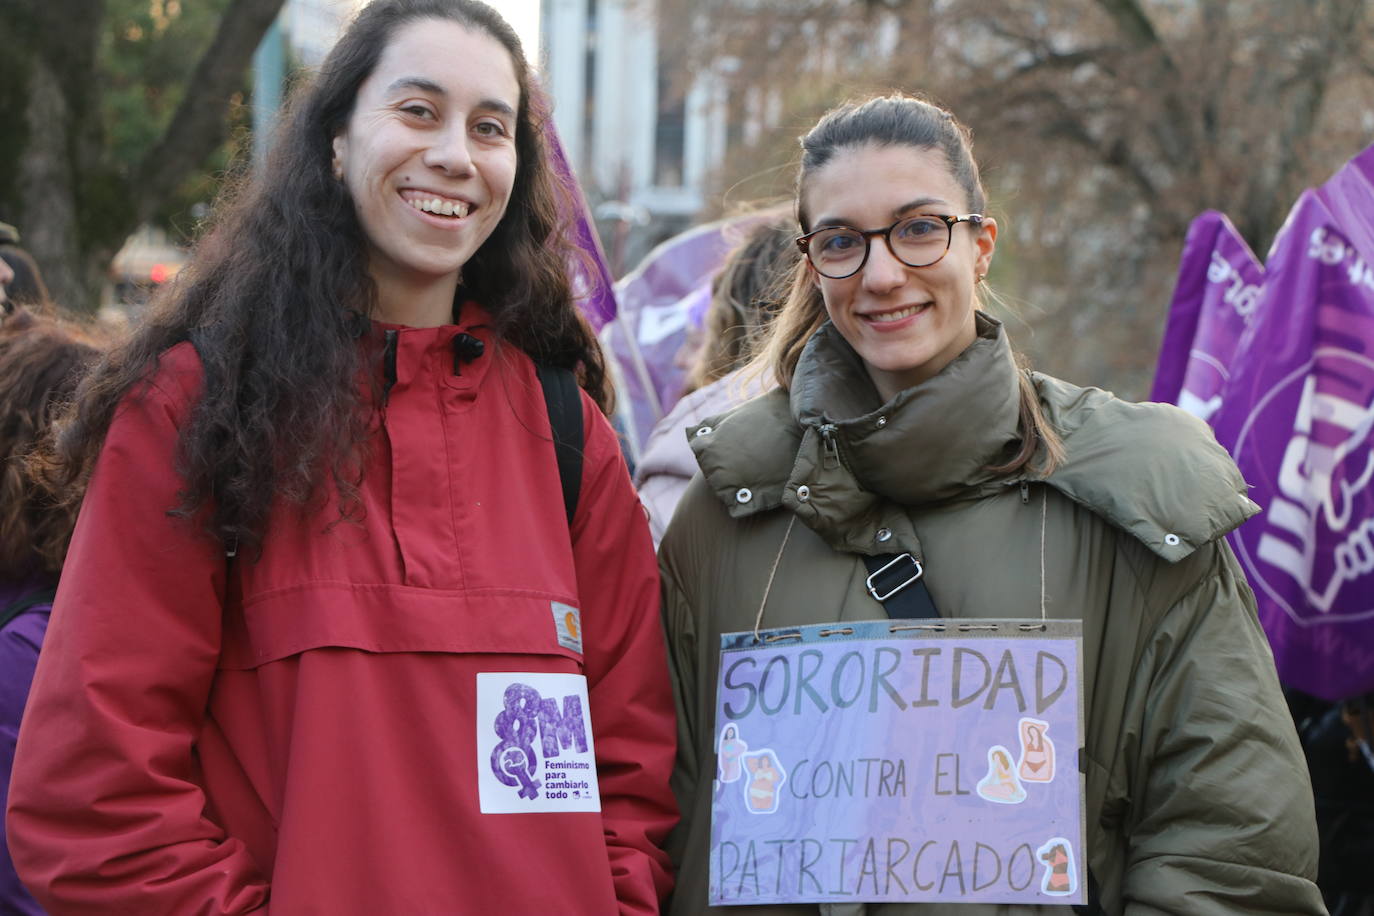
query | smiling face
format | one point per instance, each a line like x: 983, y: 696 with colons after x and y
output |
x: 906, y: 323
x: 428, y: 154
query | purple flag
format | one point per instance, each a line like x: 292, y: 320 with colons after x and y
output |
x: 1296, y: 410
x: 593, y: 288
x: 1214, y: 304
x: 659, y: 301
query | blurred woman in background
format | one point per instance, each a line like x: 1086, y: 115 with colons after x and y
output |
x: 24, y: 285
x: 745, y: 296
x: 41, y: 361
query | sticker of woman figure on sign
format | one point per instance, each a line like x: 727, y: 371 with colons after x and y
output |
x: 1001, y: 784
x: 729, y: 752
x: 1060, y: 878
x: 766, y: 777
x: 1037, y: 751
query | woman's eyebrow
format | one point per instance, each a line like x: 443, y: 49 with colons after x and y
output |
x: 416, y: 82
x: 830, y: 222
x: 495, y: 106
x: 916, y: 204
x: 897, y: 213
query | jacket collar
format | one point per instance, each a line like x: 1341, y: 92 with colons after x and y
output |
x: 846, y: 465
x: 844, y: 462
x: 931, y: 442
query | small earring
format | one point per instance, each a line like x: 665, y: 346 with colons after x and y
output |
x: 980, y: 278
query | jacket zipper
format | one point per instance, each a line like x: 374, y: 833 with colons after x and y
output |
x: 829, y: 447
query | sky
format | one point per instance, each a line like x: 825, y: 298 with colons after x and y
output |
x: 523, y: 15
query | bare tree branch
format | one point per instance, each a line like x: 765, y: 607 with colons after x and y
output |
x: 1132, y: 22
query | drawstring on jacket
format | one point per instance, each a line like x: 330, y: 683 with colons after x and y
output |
x: 389, y: 365
x: 466, y: 348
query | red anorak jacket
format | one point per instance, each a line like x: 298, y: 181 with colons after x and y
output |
x: 299, y: 734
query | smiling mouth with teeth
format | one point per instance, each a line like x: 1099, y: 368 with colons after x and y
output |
x: 439, y: 207
x: 897, y: 315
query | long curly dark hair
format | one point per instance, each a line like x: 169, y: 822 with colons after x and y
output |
x: 273, y: 291
x: 41, y: 361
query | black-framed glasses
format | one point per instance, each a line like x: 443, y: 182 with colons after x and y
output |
x: 838, y: 252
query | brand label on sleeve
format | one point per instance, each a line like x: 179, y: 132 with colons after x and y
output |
x: 567, y: 620
x: 534, y: 744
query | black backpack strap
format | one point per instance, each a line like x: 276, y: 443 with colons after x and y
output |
x: 24, y: 602
x: 897, y: 582
x: 564, y: 403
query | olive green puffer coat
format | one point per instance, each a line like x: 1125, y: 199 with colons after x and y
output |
x: 1198, y: 799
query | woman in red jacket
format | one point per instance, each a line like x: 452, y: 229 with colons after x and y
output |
x: 326, y: 641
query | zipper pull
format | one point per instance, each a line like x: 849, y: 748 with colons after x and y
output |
x: 830, y: 448
x: 1025, y: 493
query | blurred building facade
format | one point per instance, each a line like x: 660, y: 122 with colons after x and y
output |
x: 643, y: 129
x: 312, y: 26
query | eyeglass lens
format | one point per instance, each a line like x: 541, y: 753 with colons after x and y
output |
x: 916, y: 242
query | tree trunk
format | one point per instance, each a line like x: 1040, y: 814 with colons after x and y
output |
x: 47, y: 190
x: 73, y: 208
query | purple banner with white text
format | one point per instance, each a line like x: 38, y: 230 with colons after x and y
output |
x: 880, y: 761
x: 1286, y: 378
x: 1214, y: 303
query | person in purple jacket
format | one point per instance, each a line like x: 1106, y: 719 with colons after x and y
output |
x: 41, y: 360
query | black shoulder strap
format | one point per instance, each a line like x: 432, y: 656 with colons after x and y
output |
x: 24, y: 602
x: 897, y: 582
x: 564, y: 404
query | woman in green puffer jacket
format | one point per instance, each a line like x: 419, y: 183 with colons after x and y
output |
x: 903, y: 425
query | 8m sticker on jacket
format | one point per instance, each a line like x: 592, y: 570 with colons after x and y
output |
x: 534, y: 744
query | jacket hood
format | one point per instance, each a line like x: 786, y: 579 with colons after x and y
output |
x: 846, y: 463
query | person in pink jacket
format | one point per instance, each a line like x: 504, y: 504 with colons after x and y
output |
x: 328, y: 640
x: 744, y: 297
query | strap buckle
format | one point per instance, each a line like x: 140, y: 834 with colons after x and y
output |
x: 873, y: 588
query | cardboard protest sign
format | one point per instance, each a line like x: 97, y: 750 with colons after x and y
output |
x: 1286, y: 378
x: 893, y: 761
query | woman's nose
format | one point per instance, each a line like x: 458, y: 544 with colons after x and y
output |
x: 883, y: 272
x: 450, y: 152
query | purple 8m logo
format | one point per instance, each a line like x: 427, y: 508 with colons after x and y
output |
x: 526, y: 715
x: 513, y: 760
